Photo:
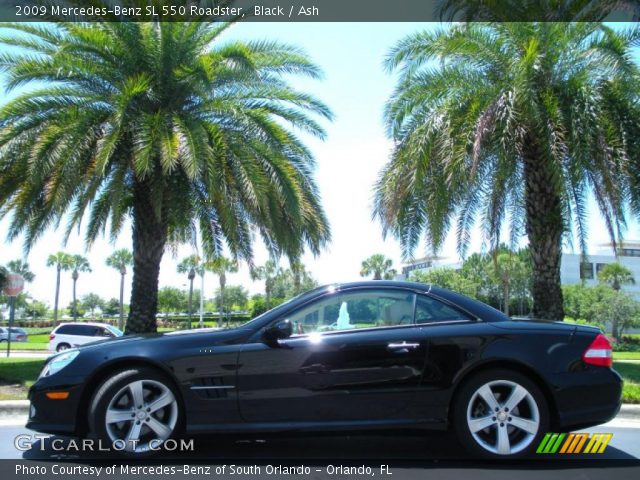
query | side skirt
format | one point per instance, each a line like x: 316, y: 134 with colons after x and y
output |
x: 432, y: 424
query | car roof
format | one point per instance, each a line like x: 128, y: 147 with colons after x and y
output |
x: 419, y: 287
x: 92, y: 324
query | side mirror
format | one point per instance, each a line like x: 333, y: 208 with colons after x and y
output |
x: 282, y: 329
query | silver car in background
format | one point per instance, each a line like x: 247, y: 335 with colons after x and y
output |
x: 17, y: 334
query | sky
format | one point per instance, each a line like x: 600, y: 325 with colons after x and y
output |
x: 356, y: 87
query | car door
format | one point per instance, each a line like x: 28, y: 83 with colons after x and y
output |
x: 455, y: 339
x: 354, y: 356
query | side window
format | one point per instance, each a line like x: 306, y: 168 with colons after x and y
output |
x: 358, y: 309
x: 82, y: 330
x: 430, y: 310
x: 73, y: 330
x: 92, y: 331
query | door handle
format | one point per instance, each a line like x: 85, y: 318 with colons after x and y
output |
x: 403, y: 347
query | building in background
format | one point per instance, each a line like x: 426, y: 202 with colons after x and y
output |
x: 574, y: 269
x: 427, y: 263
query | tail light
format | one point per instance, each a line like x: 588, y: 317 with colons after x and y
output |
x: 51, y: 337
x: 599, y: 352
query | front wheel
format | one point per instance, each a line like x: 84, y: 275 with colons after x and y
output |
x: 135, y: 411
x: 500, y: 414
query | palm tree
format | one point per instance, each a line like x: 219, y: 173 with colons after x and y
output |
x: 78, y: 264
x: 221, y: 266
x: 533, y: 10
x: 267, y: 272
x: 301, y: 277
x: 120, y: 260
x: 517, y: 124
x: 191, y: 265
x: 507, y: 270
x: 615, y: 275
x: 62, y: 262
x: 162, y: 124
x: 379, y: 266
x: 21, y: 267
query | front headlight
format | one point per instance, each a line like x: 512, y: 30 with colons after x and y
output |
x: 58, y: 362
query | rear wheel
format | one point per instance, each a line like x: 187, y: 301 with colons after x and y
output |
x: 500, y: 414
x: 135, y: 411
x: 62, y: 347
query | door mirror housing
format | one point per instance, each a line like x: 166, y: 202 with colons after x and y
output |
x: 282, y: 329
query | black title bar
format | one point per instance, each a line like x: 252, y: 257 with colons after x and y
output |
x: 319, y: 10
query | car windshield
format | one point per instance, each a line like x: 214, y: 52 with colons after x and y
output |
x: 310, y: 293
x: 116, y: 331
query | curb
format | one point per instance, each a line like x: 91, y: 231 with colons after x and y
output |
x: 37, y: 352
x: 628, y: 411
x: 14, y: 407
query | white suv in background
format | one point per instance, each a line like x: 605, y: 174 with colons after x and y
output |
x: 69, y: 335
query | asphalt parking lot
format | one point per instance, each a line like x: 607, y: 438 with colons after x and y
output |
x: 408, y: 455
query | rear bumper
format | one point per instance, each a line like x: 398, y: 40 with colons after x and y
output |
x: 587, y: 398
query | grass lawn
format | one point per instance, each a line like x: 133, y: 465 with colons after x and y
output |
x: 38, y: 341
x: 631, y: 374
x: 17, y: 375
x: 626, y: 355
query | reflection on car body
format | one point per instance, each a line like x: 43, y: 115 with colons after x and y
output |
x: 365, y: 355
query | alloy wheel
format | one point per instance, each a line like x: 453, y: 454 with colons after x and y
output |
x: 503, y: 417
x: 141, y: 415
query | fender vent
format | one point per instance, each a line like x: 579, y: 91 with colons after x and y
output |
x: 212, y: 387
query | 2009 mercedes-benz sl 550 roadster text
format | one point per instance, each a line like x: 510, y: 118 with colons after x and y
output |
x: 366, y: 355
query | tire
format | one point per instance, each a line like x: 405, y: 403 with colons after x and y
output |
x: 515, y: 429
x: 62, y: 347
x: 158, y: 419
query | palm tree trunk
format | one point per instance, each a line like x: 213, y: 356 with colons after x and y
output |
x: 201, y: 320
x: 544, y: 226
x: 190, y: 299
x: 149, y: 239
x: 267, y: 291
x: 506, y: 298
x: 121, y: 319
x: 75, y: 307
x: 55, y: 305
x: 223, y: 281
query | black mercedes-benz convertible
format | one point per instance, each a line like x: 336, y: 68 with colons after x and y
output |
x: 366, y: 355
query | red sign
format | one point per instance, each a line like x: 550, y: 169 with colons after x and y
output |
x: 14, y: 285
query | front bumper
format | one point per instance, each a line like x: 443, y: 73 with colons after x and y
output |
x: 55, y: 416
